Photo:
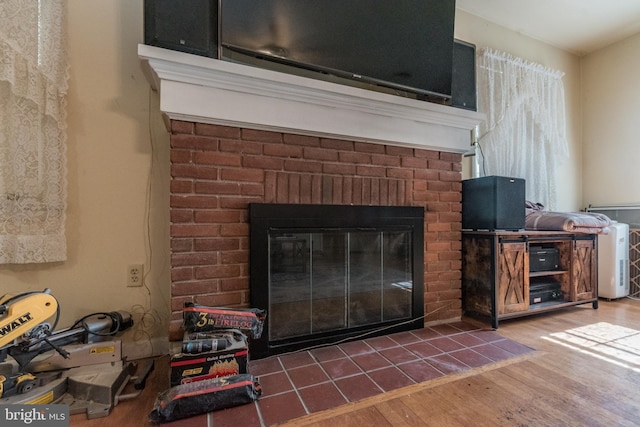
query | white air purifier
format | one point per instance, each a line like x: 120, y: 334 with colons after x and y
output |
x: 613, y: 262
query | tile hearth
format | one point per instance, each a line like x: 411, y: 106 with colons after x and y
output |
x: 301, y: 383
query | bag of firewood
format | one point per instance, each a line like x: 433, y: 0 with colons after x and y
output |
x: 199, y: 318
x: 200, y: 397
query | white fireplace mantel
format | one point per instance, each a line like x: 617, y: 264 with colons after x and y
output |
x: 206, y: 90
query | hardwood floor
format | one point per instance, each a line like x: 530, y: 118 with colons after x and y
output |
x: 585, y: 372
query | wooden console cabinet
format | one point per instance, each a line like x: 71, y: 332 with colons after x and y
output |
x: 496, y: 274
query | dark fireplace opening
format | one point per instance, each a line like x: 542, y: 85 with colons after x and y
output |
x: 331, y: 273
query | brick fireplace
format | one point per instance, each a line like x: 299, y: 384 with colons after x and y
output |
x: 228, y: 152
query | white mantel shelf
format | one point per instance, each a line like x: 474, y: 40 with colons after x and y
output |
x: 206, y: 90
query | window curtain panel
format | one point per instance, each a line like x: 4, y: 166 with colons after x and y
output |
x: 33, y: 87
x: 524, y: 135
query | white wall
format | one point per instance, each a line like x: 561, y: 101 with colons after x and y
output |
x: 113, y: 219
x: 119, y: 168
x: 611, y: 100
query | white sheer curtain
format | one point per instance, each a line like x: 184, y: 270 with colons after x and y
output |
x: 33, y: 86
x: 525, y: 132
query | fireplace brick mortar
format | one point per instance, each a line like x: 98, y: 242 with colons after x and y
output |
x: 217, y: 171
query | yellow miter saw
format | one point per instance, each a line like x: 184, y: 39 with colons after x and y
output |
x: 80, y: 364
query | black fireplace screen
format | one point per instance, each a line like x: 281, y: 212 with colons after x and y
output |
x: 331, y: 273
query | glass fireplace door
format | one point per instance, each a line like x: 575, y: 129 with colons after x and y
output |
x: 332, y: 280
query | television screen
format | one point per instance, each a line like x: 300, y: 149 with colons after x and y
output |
x: 405, y: 45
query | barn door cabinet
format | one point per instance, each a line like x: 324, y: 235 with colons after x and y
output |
x: 504, y: 274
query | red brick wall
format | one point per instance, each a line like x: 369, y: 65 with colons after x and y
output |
x: 218, y: 170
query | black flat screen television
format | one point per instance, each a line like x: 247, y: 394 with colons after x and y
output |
x: 404, y: 46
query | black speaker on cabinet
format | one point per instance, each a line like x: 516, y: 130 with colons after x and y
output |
x: 189, y: 26
x: 463, y: 83
x: 493, y: 203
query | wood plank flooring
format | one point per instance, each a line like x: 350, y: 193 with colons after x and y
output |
x: 585, y: 372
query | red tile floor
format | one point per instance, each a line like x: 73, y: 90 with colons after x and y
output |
x: 304, y: 382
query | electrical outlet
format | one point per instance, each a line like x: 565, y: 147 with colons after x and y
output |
x: 134, y: 275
